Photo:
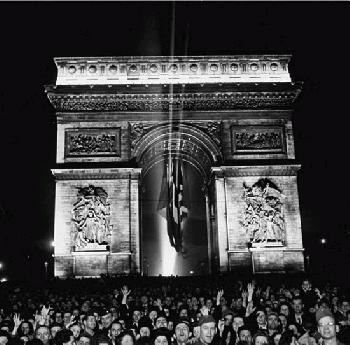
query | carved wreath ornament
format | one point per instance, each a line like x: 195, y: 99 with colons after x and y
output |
x: 91, y: 216
x: 263, y: 216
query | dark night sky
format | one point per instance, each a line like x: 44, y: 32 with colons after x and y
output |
x: 32, y: 33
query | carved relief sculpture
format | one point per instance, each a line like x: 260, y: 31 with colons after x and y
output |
x: 263, y: 216
x: 92, y: 142
x: 257, y: 139
x: 91, y: 216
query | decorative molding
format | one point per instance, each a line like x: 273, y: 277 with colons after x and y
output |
x: 96, y: 174
x: 172, y: 69
x: 66, y: 102
x: 257, y: 139
x: 257, y: 170
x: 92, y: 142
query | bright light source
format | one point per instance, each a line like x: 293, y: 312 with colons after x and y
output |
x: 0, y: 265
x: 191, y: 272
x: 323, y: 241
x: 168, y: 253
x: 3, y: 280
x: 53, y: 244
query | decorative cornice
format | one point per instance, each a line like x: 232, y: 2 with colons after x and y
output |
x: 96, y: 174
x: 172, y: 69
x: 200, y: 101
x: 260, y: 170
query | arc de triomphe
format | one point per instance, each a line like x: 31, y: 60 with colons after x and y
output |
x: 229, y: 117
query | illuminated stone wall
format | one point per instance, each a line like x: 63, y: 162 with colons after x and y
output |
x: 123, y: 254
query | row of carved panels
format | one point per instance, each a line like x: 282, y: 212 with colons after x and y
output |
x: 106, y: 142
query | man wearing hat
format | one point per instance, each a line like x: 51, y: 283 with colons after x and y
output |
x: 207, y: 330
x: 182, y: 331
x: 327, y: 326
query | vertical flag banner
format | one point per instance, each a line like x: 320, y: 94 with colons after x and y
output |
x: 171, y: 202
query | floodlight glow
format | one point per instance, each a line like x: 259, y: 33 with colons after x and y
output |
x: 3, y: 280
x: 191, y: 272
x: 323, y: 240
x: 53, y: 244
x: 168, y: 253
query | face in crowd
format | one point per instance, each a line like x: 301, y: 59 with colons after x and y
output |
x: 261, y: 317
x: 297, y: 305
x: 182, y: 333
x: 327, y: 328
x: 115, y: 330
x: 161, y: 340
x: 261, y: 340
x: 106, y: 320
x: 273, y: 322
x: 136, y: 316
x: 84, y: 341
x: 90, y: 322
x: 161, y: 322
x: 54, y: 330
x: 207, y: 332
x: 43, y: 333
x: 245, y: 335
x: 76, y: 330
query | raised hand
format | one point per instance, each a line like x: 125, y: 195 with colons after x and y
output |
x: 218, y: 296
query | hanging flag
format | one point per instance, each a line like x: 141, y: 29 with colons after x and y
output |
x: 176, y: 210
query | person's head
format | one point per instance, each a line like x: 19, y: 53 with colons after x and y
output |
x: 237, y: 322
x: 58, y: 317
x: 76, y: 330
x: 306, y: 285
x: 26, y: 327
x: 4, y: 337
x: 245, y: 334
x: 43, y: 333
x: 54, y: 328
x: 84, y: 340
x: 153, y: 314
x: 273, y: 321
x: 284, y: 309
x: 161, y: 321
x: 260, y: 317
x: 276, y: 338
x: 207, y: 329
x: 209, y: 303
x: 106, y: 319
x: 183, y: 312
x: 115, y: 330
x: 260, y: 338
x: 182, y: 331
x: 297, y: 305
x: 67, y: 317
x: 283, y: 320
x: 125, y: 338
x: 64, y: 337
x: 145, y: 331
x: 136, y: 315
x: 228, y: 318
x: 326, y: 324
x: 344, y: 305
x: 161, y: 336
x: 90, y: 321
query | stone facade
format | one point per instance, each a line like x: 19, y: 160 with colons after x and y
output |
x: 228, y: 116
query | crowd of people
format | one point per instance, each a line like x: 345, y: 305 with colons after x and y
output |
x: 173, y: 311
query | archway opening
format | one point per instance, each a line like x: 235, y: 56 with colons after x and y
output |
x: 158, y: 255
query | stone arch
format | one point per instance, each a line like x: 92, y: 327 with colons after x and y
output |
x: 184, y: 141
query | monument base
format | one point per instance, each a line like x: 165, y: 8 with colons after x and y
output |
x: 274, y: 259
